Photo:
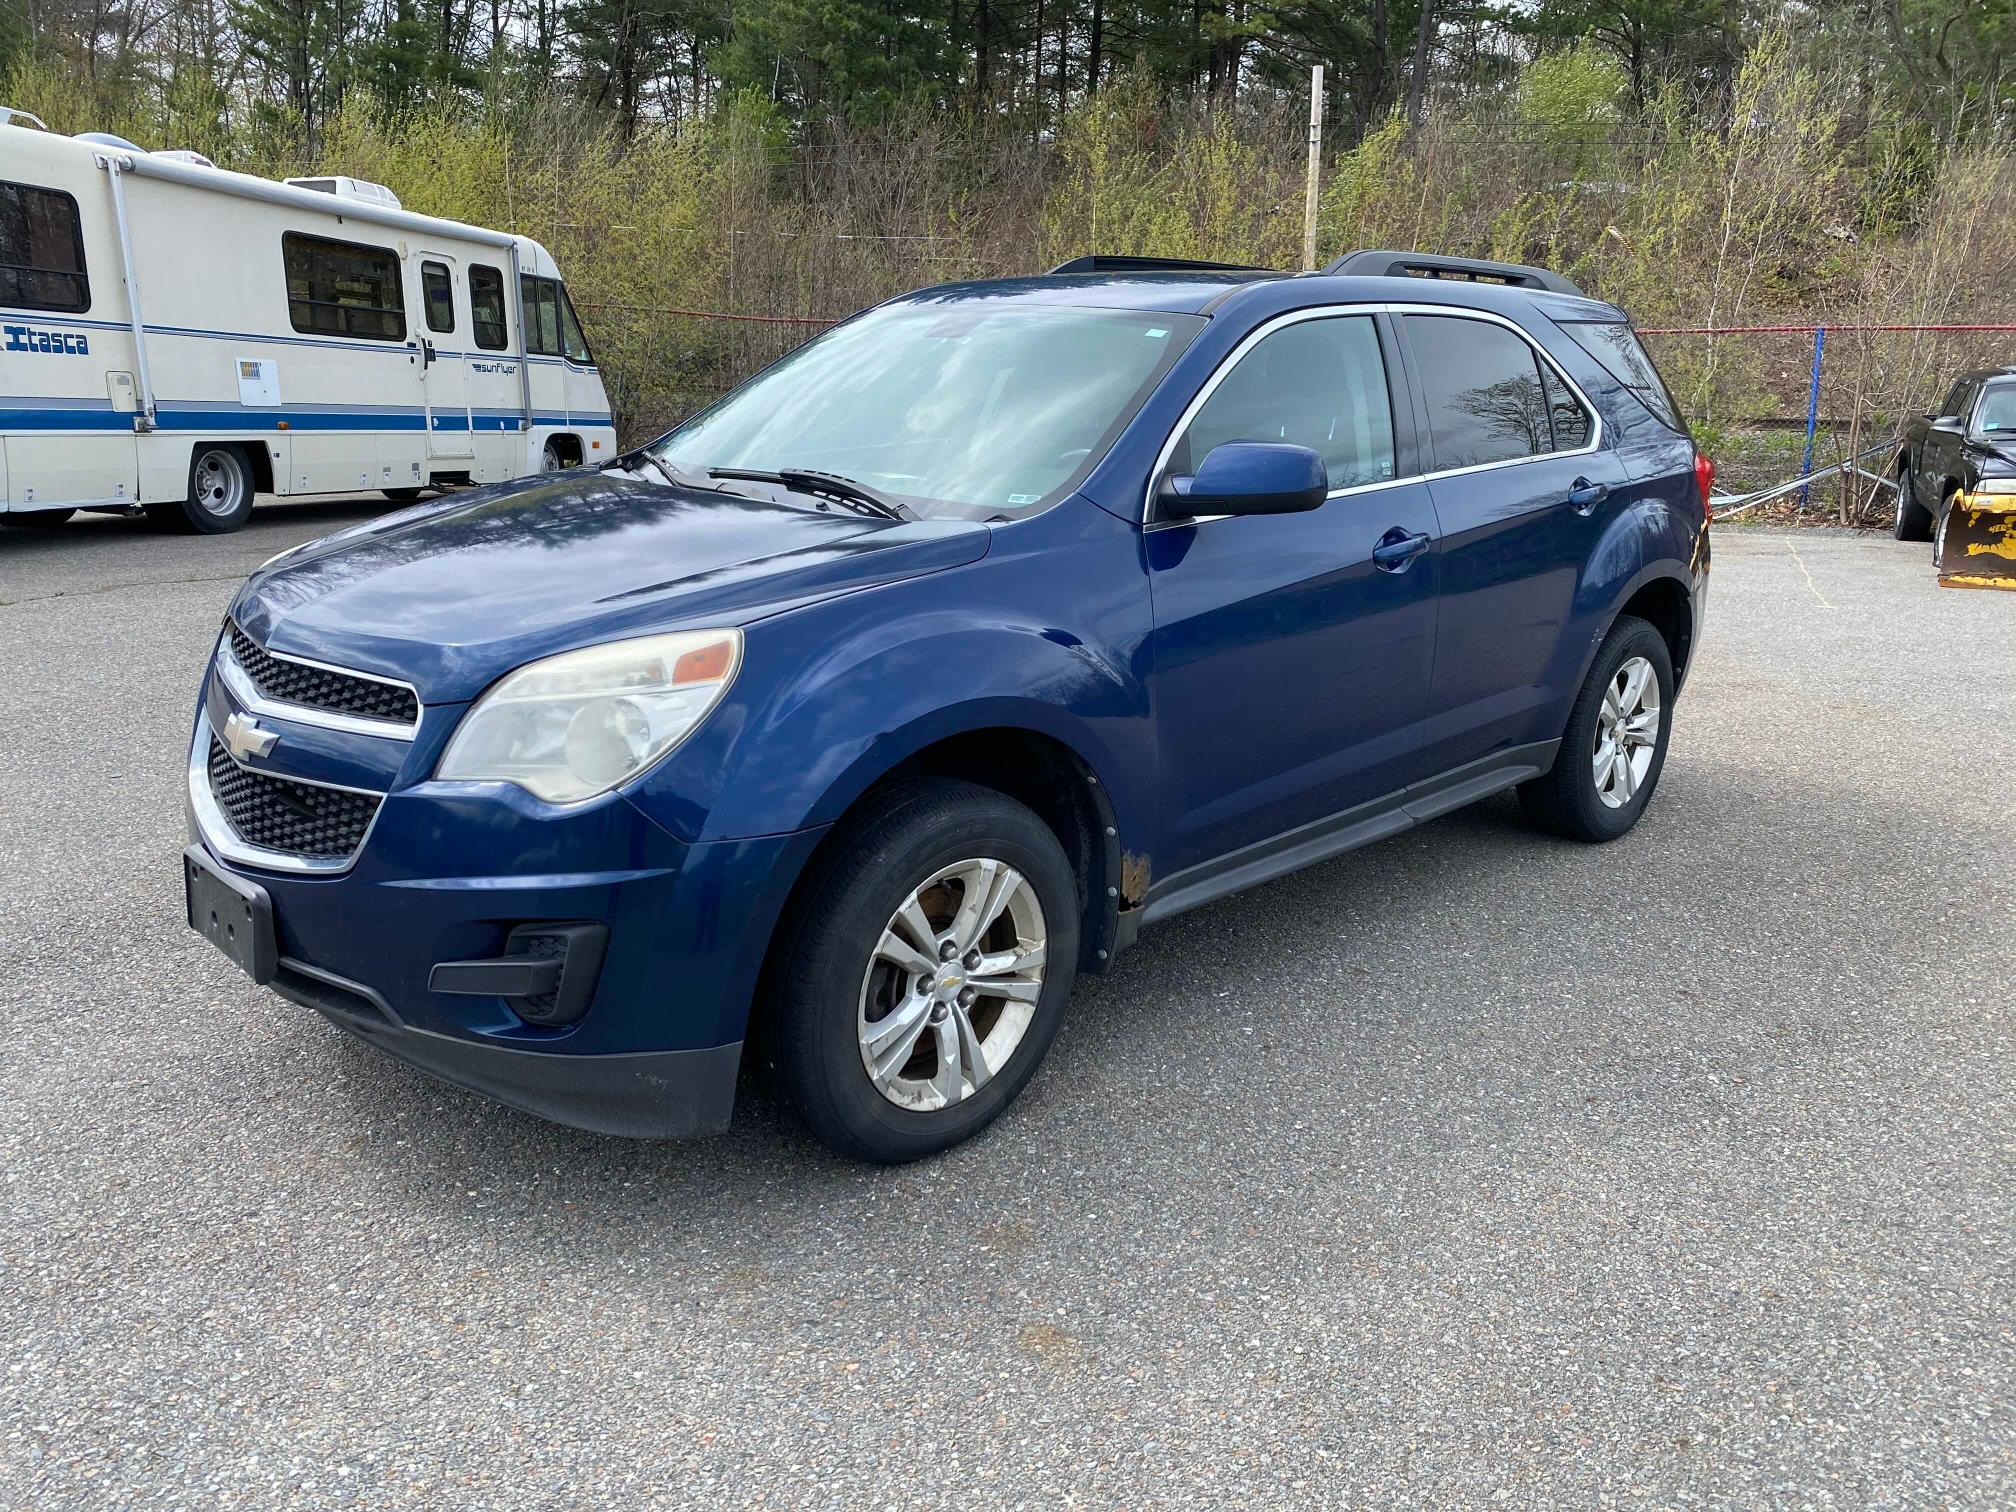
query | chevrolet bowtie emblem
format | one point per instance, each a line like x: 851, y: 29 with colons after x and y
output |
x: 243, y: 737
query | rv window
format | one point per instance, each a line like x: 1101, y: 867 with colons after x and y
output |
x: 41, y: 251
x: 572, y: 343
x: 343, y: 289
x: 486, y: 307
x: 439, y: 290
x: 542, y: 315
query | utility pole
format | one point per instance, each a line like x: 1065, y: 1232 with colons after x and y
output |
x: 1315, y: 164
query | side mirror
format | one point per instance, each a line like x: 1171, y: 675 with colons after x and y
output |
x: 1249, y: 478
x: 1947, y: 423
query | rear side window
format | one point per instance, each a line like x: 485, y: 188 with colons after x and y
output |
x: 41, y: 251
x: 1564, y: 412
x: 438, y: 290
x: 1482, y: 384
x: 1315, y: 383
x: 1616, y: 346
x: 486, y: 307
x: 343, y: 289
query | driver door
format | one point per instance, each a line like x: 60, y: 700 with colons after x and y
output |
x: 1290, y: 668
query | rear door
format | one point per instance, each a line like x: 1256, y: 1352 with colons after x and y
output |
x: 1523, y: 489
x: 1291, y: 670
x: 443, y: 322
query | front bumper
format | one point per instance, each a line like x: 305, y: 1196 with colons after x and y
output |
x: 447, y: 872
x: 651, y: 1094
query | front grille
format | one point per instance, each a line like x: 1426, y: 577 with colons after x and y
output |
x: 319, y: 823
x: 295, y: 682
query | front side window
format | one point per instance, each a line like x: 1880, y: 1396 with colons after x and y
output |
x: 573, y: 345
x: 1997, y: 414
x: 486, y: 307
x: 542, y: 315
x: 438, y: 289
x: 973, y: 408
x: 343, y: 289
x: 41, y: 251
x: 1314, y: 383
x: 1482, y: 384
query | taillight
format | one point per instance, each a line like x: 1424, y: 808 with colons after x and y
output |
x: 1704, y: 479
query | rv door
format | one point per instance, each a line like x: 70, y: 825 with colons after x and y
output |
x: 443, y: 327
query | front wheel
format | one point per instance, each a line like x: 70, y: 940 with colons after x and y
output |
x: 219, y: 498
x: 1914, y: 520
x: 924, y: 972
x: 1615, y: 745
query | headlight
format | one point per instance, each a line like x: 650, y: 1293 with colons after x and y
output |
x: 1997, y: 486
x: 577, y: 724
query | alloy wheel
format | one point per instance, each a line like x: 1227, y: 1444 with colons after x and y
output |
x: 1627, y: 732
x: 952, y: 985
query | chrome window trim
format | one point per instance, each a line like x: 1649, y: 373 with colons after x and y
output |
x: 216, y: 832
x: 1331, y: 312
x: 239, y: 681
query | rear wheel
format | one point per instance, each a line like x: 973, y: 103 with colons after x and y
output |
x: 219, y: 498
x: 1615, y: 745
x: 550, y: 459
x: 36, y: 519
x: 1914, y: 520
x: 402, y: 495
x: 924, y: 972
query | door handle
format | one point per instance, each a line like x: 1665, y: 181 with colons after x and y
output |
x: 1397, y: 549
x: 1585, y: 495
x: 427, y: 353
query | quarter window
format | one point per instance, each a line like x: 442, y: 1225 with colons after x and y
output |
x: 1315, y: 383
x: 438, y: 289
x: 1564, y: 412
x: 41, y: 251
x: 486, y: 307
x: 343, y: 289
x: 1482, y: 384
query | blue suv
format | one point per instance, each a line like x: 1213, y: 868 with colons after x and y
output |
x: 847, y: 723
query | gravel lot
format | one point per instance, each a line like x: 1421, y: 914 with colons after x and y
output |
x: 1474, y: 1167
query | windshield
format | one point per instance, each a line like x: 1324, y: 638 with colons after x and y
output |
x: 1996, y: 414
x: 974, y: 410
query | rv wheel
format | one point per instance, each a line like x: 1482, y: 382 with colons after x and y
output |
x: 402, y: 495
x: 220, y: 494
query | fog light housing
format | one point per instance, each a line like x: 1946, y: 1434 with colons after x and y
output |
x: 546, y: 975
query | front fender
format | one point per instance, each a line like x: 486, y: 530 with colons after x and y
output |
x: 1042, y: 640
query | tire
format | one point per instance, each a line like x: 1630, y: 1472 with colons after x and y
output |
x: 1937, y: 534
x: 550, y: 459
x: 36, y: 519
x: 219, y: 498
x: 1914, y: 520
x: 1569, y: 800
x: 833, y: 983
x: 402, y: 495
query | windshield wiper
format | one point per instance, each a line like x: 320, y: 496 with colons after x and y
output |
x: 862, y: 498
x: 659, y: 465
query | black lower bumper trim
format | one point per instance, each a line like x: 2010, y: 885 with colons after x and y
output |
x: 660, y: 1094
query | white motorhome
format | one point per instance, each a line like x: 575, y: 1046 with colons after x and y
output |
x: 177, y: 338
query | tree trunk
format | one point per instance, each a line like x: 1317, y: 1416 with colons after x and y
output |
x: 1417, y: 82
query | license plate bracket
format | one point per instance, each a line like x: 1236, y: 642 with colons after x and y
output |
x: 234, y: 915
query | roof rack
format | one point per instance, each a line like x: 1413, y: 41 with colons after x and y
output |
x: 1378, y: 264
x: 1109, y: 262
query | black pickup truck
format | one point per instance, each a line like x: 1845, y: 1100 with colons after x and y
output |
x: 1956, y: 478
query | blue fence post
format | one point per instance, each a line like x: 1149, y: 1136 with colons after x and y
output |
x: 1812, y: 411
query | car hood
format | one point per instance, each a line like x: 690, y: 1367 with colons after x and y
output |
x: 451, y: 595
